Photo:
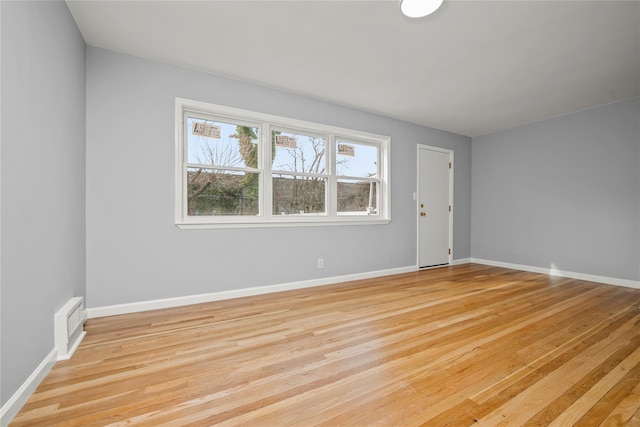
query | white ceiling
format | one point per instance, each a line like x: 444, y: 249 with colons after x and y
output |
x: 473, y: 67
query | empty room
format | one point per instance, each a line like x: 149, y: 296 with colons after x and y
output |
x: 305, y: 213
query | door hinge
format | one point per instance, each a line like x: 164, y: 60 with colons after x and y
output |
x: 449, y: 208
x: 449, y: 251
x: 449, y: 165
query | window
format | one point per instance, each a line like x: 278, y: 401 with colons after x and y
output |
x: 222, y: 175
x: 299, y: 173
x: 241, y: 168
x: 358, y: 178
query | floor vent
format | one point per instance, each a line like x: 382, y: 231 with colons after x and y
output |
x: 69, y: 327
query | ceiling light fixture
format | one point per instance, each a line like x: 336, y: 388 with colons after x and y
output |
x: 419, y: 8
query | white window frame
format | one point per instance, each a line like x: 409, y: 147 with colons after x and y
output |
x: 271, y: 172
x: 266, y: 123
x: 336, y: 177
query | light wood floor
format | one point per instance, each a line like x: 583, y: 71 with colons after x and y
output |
x: 458, y: 346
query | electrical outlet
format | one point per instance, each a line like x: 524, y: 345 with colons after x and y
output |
x: 320, y: 262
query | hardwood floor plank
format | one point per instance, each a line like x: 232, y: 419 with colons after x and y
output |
x: 621, y: 386
x: 576, y: 413
x: 635, y: 420
x: 501, y: 391
x: 626, y: 409
x: 453, y: 346
x: 527, y: 403
x: 551, y: 412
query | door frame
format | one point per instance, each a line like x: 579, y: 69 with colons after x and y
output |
x: 417, y: 200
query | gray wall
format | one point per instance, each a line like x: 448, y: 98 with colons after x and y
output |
x: 43, y: 180
x: 561, y: 193
x: 134, y: 250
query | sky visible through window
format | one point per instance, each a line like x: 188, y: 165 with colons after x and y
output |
x: 222, y: 151
x: 217, y: 145
x: 363, y: 164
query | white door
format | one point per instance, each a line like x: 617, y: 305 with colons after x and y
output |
x: 435, y: 195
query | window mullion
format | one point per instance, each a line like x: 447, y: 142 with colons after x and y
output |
x: 182, y: 161
x: 266, y: 192
x: 332, y: 185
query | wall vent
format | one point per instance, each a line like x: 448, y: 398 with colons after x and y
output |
x: 69, y: 327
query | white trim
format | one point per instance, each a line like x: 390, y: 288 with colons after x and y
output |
x: 293, y: 221
x: 560, y: 273
x: 20, y: 397
x: 114, y: 310
x: 461, y: 261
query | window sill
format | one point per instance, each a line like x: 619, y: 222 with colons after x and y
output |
x: 196, y: 225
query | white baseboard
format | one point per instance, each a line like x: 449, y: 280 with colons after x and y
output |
x: 20, y: 397
x: 555, y: 272
x: 136, y: 307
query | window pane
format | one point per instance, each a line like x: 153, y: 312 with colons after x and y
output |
x: 298, y: 153
x: 217, y: 192
x: 358, y: 160
x: 221, y: 144
x: 296, y: 195
x: 357, y: 196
